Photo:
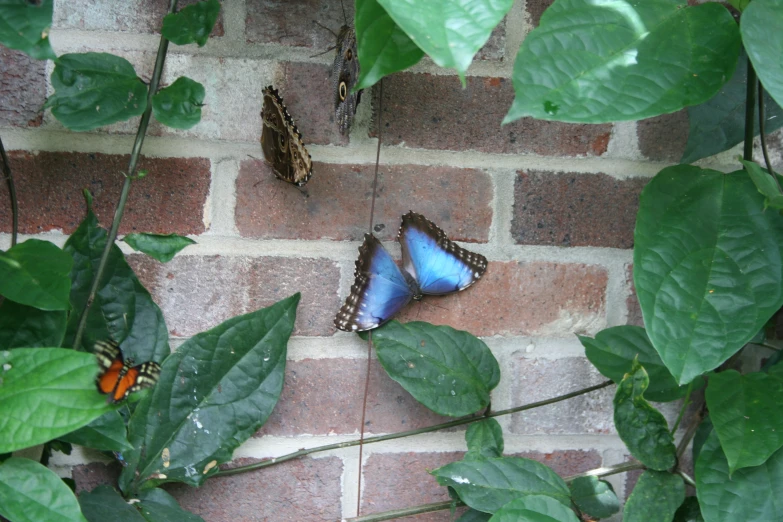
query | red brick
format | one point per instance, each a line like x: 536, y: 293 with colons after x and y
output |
x: 49, y: 190
x: 22, y: 89
x: 435, y: 112
x: 517, y: 298
x: 291, y: 23
x: 199, y: 292
x: 303, y: 490
x: 566, y: 462
x: 632, y: 301
x: 335, y: 204
x: 569, y: 209
x: 535, y: 8
x: 663, y: 138
x: 324, y: 396
x: 90, y: 476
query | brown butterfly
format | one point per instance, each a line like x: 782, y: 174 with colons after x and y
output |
x: 345, y: 74
x: 281, y: 141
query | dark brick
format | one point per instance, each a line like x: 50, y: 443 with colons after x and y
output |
x: 663, y: 138
x: 336, y: 201
x: 197, y: 293
x: 516, y: 298
x: 632, y: 301
x: 535, y: 8
x: 569, y: 209
x: 49, y: 189
x: 292, y: 23
x: 303, y: 490
x: 90, y: 476
x: 22, y: 89
x: 435, y: 112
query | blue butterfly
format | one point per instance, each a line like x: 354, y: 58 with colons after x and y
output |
x: 432, y: 265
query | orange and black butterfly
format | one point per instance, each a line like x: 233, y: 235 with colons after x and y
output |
x: 118, y: 377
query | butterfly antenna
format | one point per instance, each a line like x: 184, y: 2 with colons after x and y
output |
x: 319, y: 24
x: 345, y: 18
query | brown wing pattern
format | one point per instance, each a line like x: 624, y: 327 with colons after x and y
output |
x: 281, y: 141
x: 345, y: 74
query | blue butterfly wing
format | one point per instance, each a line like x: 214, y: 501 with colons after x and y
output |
x: 438, y: 265
x: 379, y: 291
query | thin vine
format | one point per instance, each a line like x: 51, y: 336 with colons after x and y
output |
x: 9, y: 178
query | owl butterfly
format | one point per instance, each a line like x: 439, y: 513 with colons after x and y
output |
x: 345, y: 74
x: 431, y: 264
x: 281, y: 141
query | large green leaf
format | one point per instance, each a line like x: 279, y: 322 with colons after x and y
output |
x: 745, y: 411
x: 179, y: 104
x: 95, y: 89
x: 708, y: 266
x: 485, y: 440
x: 30, y: 492
x: 471, y: 515
x: 35, y: 273
x: 596, y: 62
x: 450, y: 31
x: 613, y: 351
x: 27, y: 327
x: 760, y: 26
x: 104, y: 503
x: 534, y: 508
x: 594, y: 497
x: 158, y: 246
x: 25, y: 26
x: 158, y: 506
x: 655, y: 498
x: 719, y: 123
x: 488, y: 484
x: 381, y: 45
x: 45, y: 393
x: 750, y: 494
x: 192, y: 24
x: 106, y: 433
x: 123, y: 309
x: 214, y: 392
x: 449, y: 371
x: 640, y: 425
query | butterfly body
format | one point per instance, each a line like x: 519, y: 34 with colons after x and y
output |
x: 345, y: 74
x: 432, y: 265
x: 119, y: 377
x: 281, y: 141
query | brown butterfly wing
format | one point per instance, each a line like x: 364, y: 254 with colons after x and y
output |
x: 345, y: 74
x: 282, y: 142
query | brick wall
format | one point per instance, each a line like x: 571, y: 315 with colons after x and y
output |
x: 551, y: 205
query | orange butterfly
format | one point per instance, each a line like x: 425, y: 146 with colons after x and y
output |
x: 118, y: 377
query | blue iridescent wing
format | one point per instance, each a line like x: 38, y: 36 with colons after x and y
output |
x: 438, y: 265
x: 379, y: 291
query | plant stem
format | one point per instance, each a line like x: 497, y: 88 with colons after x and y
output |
x: 750, y: 113
x: 687, y: 478
x: 689, y: 433
x: 764, y: 138
x: 768, y: 346
x: 392, y: 436
x: 134, y: 159
x: 685, y: 404
x: 11, y: 192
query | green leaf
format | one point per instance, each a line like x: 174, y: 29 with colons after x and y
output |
x: 485, y: 440
x: 106, y: 433
x: 45, y: 393
x: 597, y: 62
x: 95, y: 89
x: 489, y: 484
x: 760, y: 27
x: 25, y: 26
x: 750, y: 494
x: 179, y: 104
x: 739, y: 4
x: 159, y: 246
x: 745, y: 411
x: 765, y: 184
x: 191, y: 24
x: 158, y: 506
x: 655, y: 498
x: 30, y: 492
x: 702, y: 432
x: 471, y: 515
x: 214, y: 392
x: 123, y: 309
x: 613, y: 351
x: 534, y: 508
x: 640, y: 425
x: 381, y: 45
x: 449, y: 371
x: 27, y: 327
x: 707, y: 266
x: 35, y: 273
x: 719, y: 123
x: 689, y: 511
x: 104, y: 503
x: 594, y: 497
x: 450, y: 31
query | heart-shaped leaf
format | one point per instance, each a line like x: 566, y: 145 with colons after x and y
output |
x: 594, y: 497
x: 25, y: 26
x: 179, y: 104
x: 760, y: 26
x: 192, y: 24
x: 534, y: 508
x: 655, y: 498
x: 35, y: 273
x: 485, y: 440
x: 162, y: 247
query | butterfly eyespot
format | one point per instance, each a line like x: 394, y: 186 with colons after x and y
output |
x: 282, y: 141
x: 343, y: 91
x: 349, y: 55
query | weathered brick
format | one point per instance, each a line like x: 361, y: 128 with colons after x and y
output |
x: 435, y: 112
x: 632, y: 301
x: 90, y: 476
x: 565, y: 462
x: 495, y: 48
x: 569, y: 209
x: 133, y: 16
x: 535, y: 8
x: 663, y: 138
x: 22, y: 89
x: 49, y: 190
x: 517, y: 298
x: 292, y: 23
x: 302, y: 489
x: 199, y: 292
x: 335, y: 203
